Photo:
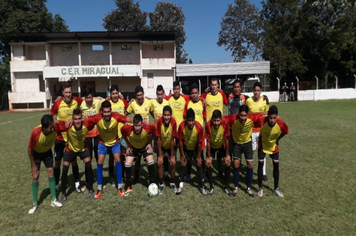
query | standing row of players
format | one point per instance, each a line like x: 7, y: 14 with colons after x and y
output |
x: 175, y: 114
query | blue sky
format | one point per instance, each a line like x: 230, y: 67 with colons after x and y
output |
x: 202, y: 23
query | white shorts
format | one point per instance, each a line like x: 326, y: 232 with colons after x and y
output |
x: 255, y: 136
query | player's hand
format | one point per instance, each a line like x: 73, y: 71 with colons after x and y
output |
x: 265, y: 98
x: 227, y: 160
x: 121, y: 97
x: 146, y: 121
x: 132, y: 99
x: 128, y: 150
x: 58, y: 99
x: 172, y: 161
x: 149, y: 148
x: 160, y: 160
x: 69, y: 123
x: 182, y: 159
x: 199, y: 161
x: 35, y: 172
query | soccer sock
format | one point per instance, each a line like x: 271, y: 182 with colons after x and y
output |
x: 122, y: 168
x: 34, y: 192
x: 276, y: 174
x: 57, y: 173
x: 111, y: 166
x: 219, y: 160
x: 118, y: 172
x: 236, y: 176
x: 201, y: 175
x: 209, y: 174
x: 189, y: 167
x: 75, y: 170
x: 264, y: 166
x: 64, y: 179
x: 89, y: 175
x: 260, y: 174
x: 137, y: 169
x: 151, y: 171
x: 99, y: 176
x: 166, y: 166
x: 249, y: 175
x: 227, y: 177
x: 128, y: 175
x: 52, y: 187
x: 181, y: 173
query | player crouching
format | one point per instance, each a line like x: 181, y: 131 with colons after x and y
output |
x: 273, y: 130
x: 138, y: 137
x: 190, y: 135
x: 166, y: 132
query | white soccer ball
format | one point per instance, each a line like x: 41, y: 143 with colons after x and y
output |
x: 152, y: 190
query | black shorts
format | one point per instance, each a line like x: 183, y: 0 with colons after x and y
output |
x: 245, y: 148
x: 262, y: 155
x: 59, y: 149
x: 46, y: 157
x: 136, y: 152
x: 190, y: 155
x: 221, y: 152
x: 71, y: 156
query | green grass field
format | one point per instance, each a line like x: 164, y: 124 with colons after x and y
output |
x: 317, y: 164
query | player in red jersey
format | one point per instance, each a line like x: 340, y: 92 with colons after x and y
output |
x: 39, y: 150
x: 166, y: 132
x: 138, y: 137
x: 273, y: 130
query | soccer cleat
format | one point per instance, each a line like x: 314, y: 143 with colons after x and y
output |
x: 203, y: 191
x: 78, y: 190
x: 228, y: 192
x: 56, y: 203
x: 98, y: 193
x: 173, y: 187
x: 33, y: 209
x: 128, y: 191
x: 278, y: 193
x: 260, y: 192
x: 63, y: 199
x: 161, y: 189
x: 211, y: 191
x: 236, y: 190
x: 121, y: 192
x: 91, y: 194
x: 179, y: 191
x: 264, y: 178
x: 249, y: 192
x: 112, y: 181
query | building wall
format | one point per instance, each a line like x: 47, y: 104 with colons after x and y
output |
x: 91, y: 56
x: 149, y: 52
x: 35, y: 52
x: 125, y: 53
x: 64, y: 54
x: 18, y: 52
x: 163, y: 77
x: 27, y: 82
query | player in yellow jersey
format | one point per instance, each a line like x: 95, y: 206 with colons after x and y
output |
x: 257, y: 104
x: 190, y: 135
x: 91, y: 106
x: 217, y: 136
x: 39, y: 150
x: 166, y: 132
x: 241, y: 129
x: 118, y: 105
x: 273, y: 130
x: 107, y: 123
x: 177, y: 102
x: 63, y: 108
x: 138, y: 137
x: 76, y: 146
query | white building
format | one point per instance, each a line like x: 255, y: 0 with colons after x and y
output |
x: 41, y: 61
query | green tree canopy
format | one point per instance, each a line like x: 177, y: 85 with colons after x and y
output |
x: 239, y: 30
x: 128, y: 17
x: 169, y: 17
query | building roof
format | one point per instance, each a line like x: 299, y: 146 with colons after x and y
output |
x: 216, y: 69
x: 93, y: 35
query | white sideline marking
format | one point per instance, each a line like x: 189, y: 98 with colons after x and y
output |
x: 10, y: 121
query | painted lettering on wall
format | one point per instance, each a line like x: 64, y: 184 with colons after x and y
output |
x: 89, y: 71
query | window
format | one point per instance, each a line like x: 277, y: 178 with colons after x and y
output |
x: 126, y: 47
x: 97, y: 47
x: 158, y: 47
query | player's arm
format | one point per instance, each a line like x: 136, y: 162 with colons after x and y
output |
x: 208, y: 145
x: 284, y: 129
x: 121, y: 118
x: 34, y: 169
x: 199, y: 159
x: 227, y: 151
x: 181, y: 151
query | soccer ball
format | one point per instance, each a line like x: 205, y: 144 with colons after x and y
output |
x: 152, y: 190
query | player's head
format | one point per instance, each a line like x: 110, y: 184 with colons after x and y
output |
x: 216, y: 119
x: 243, y: 114
x: 237, y: 87
x: 160, y: 93
x: 114, y: 92
x: 137, y: 123
x: 176, y: 89
x: 257, y: 89
x: 167, y: 114
x: 272, y: 115
x: 47, y: 124
x: 67, y: 92
x: 139, y: 94
x: 194, y: 91
x: 214, y: 85
x: 77, y: 118
x: 190, y: 118
x: 88, y: 93
x: 106, y: 110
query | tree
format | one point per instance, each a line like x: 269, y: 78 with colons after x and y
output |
x: 281, y: 37
x: 169, y: 17
x: 239, y: 30
x: 128, y: 17
x: 23, y: 16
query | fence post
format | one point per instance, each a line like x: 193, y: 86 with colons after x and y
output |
x: 297, y: 86
x: 317, y: 82
x: 355, y: 80
x: 336, y: 82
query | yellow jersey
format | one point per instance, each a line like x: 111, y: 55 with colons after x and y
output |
x: 39, y: 142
